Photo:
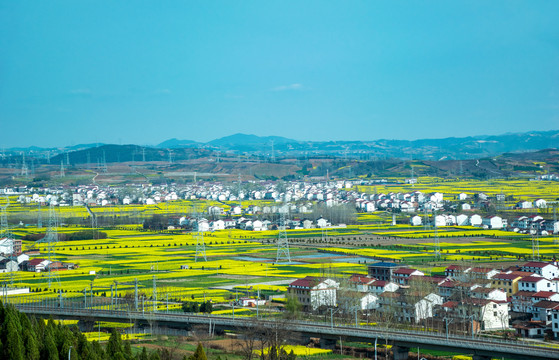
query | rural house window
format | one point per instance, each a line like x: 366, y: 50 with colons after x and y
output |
x: 494, y: 313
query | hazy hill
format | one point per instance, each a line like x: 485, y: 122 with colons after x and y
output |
x: 176, y: 143
x: 453, y: 148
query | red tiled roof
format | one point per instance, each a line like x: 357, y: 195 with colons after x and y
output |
x: 536, y: 264
x: 404, y: 271
x: 455, y: 267
x: 35, y: 262
x: 525, y: 293
x: 545, y: 304
x: 522, y: 273
x: 361, y: 279
x: 483, y: 290
x: 504, y: 276
x: 305, y: 282
x: 532, y: 279
x: 544, y: 294
x: 448, y: 284
x: 450, y: 304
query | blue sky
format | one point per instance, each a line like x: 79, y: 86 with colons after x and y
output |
x: 145, y: 71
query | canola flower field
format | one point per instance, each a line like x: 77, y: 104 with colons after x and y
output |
x: 521, y: 189
x: 241, y: 258
x: 242, y: 263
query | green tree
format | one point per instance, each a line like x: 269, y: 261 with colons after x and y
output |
x: 13, y: 345
x: 143, y: 354
x: 199, y: 354
x: 49, y: 350
x: 31, y: 345
x: 114, y: 345
x: 292, y: 307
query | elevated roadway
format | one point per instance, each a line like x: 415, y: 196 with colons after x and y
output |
x: 481, y: 348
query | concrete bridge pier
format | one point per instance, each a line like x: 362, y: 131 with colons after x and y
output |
x: 326, y: 343
x: 481, y: 357
x: 400, y: 352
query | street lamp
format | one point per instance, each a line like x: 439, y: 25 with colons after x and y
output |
x: 332, y: 316
x: 446, y: 321
x: 471, y: 317
x: 70, y: 351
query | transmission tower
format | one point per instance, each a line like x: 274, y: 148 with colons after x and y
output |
x: 437, y: 244
x: 143, y: 154
x: 154, y: 294
x: 104, y: 162
x: 324, y: 235
x: 555, y: 240
x: 50, y: 239
x: 5, y: 233
x: 5, y: 229
x: 535, y: 247
x: 240, y: 200
x: 170, y: 157
x: 199, y: 236
x: 24, y: 169
x: 283, y: 243
x: 426, y: 224
x: 62, y: 174
x: 39, y: 216
x: 555, y: 234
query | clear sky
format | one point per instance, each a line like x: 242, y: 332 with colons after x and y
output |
x: 142, y: 72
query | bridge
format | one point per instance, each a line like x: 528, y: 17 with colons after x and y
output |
x: 480, y: 348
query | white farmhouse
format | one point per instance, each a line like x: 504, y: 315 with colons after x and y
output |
x: 476, y: 220
x: 416, y: 220
x: 462, y: 220
x: 493, y: 222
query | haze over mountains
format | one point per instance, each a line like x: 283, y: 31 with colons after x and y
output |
x: 427, y: 149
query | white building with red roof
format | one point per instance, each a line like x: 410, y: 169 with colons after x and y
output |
x: 534, y: 283
x: 542, y: 310
x: 360, y: 283
x: 545, y: 269
x: 402, y: 276
x: 314, y: 292
x: 489, y: 294
x: 381, y: 286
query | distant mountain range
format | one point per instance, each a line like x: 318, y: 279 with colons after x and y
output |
x: 453, y: 148
x: 430, y: 149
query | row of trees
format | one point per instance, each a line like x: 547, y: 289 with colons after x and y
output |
x: 24, y: 338
x: 77, y: 235
x: 194, y: 307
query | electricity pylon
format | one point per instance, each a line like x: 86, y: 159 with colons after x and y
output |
x: 283, y: 243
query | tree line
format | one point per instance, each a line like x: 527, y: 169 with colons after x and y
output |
x: 29, y: 338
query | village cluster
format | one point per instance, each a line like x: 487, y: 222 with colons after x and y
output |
x: 297, y: 200
x: 473, y: 299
